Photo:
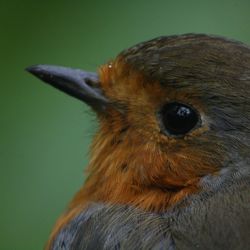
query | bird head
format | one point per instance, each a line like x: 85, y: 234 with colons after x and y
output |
x: 171, y: 111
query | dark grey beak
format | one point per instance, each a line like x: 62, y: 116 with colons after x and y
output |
x: 75, y: 82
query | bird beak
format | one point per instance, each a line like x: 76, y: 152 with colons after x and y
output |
x: 75, y: 82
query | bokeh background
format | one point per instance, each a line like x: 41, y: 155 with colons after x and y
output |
x: 45, y: 135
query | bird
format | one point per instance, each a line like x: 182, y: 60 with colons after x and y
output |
x: 169, y: 164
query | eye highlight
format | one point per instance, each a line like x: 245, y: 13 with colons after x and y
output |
x: 178, y: 119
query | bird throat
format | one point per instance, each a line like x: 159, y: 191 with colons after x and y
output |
x: 129, y: 170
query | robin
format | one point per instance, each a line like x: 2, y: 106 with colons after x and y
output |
x: 169, y: 165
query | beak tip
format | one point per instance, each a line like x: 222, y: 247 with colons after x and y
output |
x: 40, y: 71
x: 34, y: 69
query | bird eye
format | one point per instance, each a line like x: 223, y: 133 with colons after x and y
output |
x: 178, y: 118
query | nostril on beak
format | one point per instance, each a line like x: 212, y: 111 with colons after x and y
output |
x: 91, y: 83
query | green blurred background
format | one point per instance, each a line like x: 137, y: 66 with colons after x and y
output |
x: 45, y: 134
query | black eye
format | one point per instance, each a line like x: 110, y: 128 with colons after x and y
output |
x: 178, y: 118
